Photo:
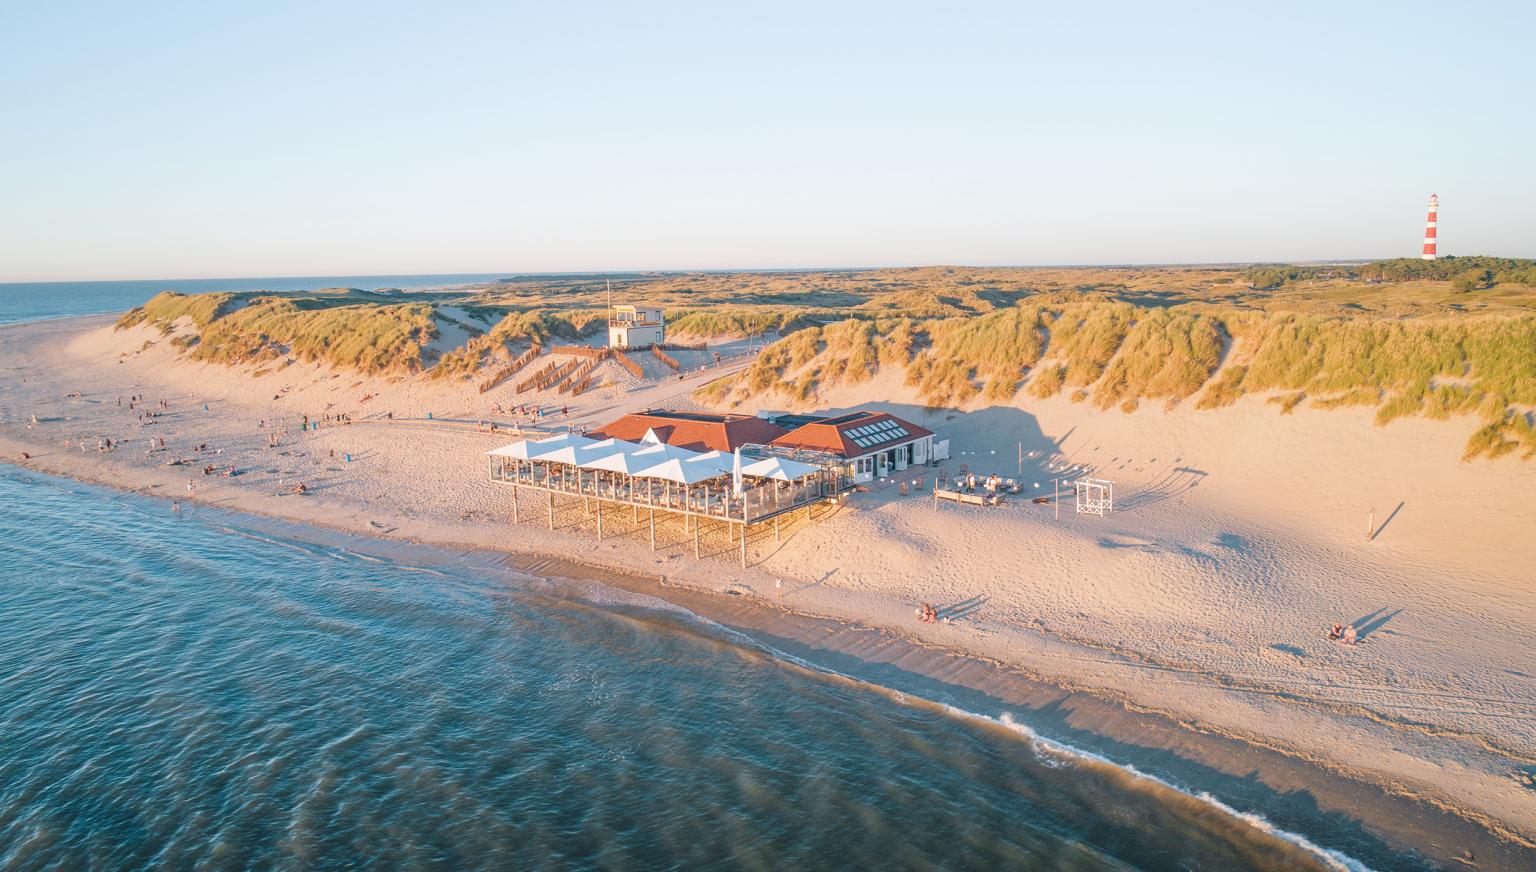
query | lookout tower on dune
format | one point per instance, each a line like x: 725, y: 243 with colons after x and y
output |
x: 635, y: 327
x: 1429, y: 228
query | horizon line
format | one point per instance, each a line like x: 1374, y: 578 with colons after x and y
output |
x: 728, y: 270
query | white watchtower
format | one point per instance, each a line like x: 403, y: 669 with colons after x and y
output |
x: 636, y: 327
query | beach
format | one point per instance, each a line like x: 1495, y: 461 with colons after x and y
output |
x: 1201, y: 604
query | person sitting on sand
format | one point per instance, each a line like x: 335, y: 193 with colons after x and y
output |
x: 1336, y: 633
x: 300, y: 488
x: 1350, y: 636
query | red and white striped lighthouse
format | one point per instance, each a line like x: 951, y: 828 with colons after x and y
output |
x: 1429, y: 228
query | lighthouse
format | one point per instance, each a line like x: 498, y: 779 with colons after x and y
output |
x: 1429, y: 228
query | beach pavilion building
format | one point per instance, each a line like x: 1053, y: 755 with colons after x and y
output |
x: 696, y: 431
x: 738, y: 488
x: 872, y: 444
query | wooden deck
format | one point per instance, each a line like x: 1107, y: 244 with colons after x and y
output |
x: 769, y: 501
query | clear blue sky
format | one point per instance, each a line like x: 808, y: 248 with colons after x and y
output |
x: 152, y: 140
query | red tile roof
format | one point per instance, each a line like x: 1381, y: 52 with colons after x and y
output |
x: 834, y: 435
x: 697, y: 431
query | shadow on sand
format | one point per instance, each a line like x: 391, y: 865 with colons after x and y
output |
x: 1027, y: 454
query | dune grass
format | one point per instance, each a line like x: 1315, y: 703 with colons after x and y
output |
x: 1166, y: 354
x: 367, y: 338
x: 1118, y: 354
x: 996, y: 350
x: 514, y: 333
x: 164, y: 309
x: 1048, y: 381
x: 1086, y: 336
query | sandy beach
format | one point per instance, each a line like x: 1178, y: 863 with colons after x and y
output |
x: 1240, y: 536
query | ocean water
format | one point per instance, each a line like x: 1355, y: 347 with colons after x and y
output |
x: 180, y: 691
x: 36, y: 300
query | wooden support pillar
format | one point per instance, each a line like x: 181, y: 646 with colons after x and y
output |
x: 695, y: 539
x: 599, y: 520
x: 551, y: 510
x: 515, y: 518
x: 653, y: 529
x: 743, y: 544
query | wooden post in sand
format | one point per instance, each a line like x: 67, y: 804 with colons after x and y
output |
x: 743, y: 544
x: 515, y: 518
x: 653, y: 529
x: 1370, y: 526
x: 551, y: 510
x: 775, y: 528
x: 695, y: 537
x: 599, y: 520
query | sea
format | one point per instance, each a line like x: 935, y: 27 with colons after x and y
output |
x: 183, y: 688
x: 32, y: 301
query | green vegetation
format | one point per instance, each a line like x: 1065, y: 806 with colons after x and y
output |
x: 1490, y: 270
x: 1266, y: 277
x: 1437, y: 339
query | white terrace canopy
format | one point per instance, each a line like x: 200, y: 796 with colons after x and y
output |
x: 779, y: 469
x: 656, y: 475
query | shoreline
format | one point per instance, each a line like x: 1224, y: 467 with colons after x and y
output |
x: 1304, y: 749
x: 1363, y: 822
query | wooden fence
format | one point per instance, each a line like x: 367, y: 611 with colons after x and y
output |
x: 628, y: 363
x: 666, y: 358
x: 577, y: 387
x: 511, y: 369
x: 580, y: 351
x: 583, y: 374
